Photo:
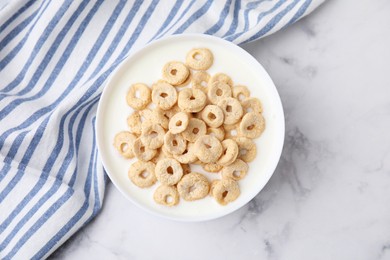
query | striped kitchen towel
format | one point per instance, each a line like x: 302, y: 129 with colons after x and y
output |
x: 54, y: 59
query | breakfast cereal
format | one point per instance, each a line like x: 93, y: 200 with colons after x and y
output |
x: 175, y: 72
x: 229, y: 152
x: 213, y: 116
x: 200, y: 59
x: 166, y: 195
x: 142, y: 174
x: 193, y: 186
x: 178, y: 123
x: 235, y: 171
x: 168, y: 171
x: 144, y: 96
x: 164, y: 95
x: 225, y: 191
x: 210, y: 123
x: 218, y: 91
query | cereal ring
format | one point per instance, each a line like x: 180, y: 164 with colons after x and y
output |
x: 231, y: 131
x: 208, y: 148
x: 219, y: 132
x: 252, y: 125
x: 218, y: 91
x: 199, y: 59
x: 229, y: 152
x: 164, y: 95
x: 178, y: 123
x: 193, y: 186
x: 212, y: 167
x: 152, y: 135
x: 188, y: 156
x: 174, y: 143
x: 142, y: 174
x: 142, y: 152
x: 166, y: 195
x: 232, y: 110
x: 144, y: 96
x: 247, y: 149
x: 252, y: 105
x: 134, y: 123
x: 194, y: 129
x: 191, y: 100
x: 213, y: 116
x: 186, y: 168
x: 236, y: 171
x: 241, y: 92
x: 168, y: 171
x: 175, y: 72
x: 225, y: 191
x: 200, y: 80
x: 221, y: 77
x: 124, y: 142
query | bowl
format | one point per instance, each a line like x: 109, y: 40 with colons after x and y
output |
x: 145, y: 66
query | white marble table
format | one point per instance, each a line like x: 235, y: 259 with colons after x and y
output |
x: 330, y: 195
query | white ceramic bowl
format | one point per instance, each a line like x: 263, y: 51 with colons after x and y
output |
x: 145, y: 66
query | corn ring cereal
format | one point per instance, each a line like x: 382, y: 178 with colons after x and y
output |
x: 241, y: 92
x: 194, y: 130
x: 252, y: 105
x: 236, y: 171
x: 124, y: 142
x: 229, y: 152
x: 175, y: 72
x: 252, y: 125
x: 142, y: 174
x: 199, y: 59
x: 166, y: 195
x: 247, y: 149
x: 213, y: 116
x: 178, y: 123
x: 142, y: 152
x: 140, y: 102
x: 208, y: 148
x: 193, y: 186
x: 164, y: 95
x: 152, y: 135
x: 225, y: 191
x: 168, y: 171
x: 191, y: 100
x: 174, y: 143
x: 218, y: 91
x: 232, y: 110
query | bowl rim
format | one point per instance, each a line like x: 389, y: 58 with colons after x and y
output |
x: 247, y: 58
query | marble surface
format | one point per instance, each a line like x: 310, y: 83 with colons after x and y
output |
x: 330, y: 195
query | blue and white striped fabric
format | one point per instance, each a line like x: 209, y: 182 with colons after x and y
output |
x: 54, y: 59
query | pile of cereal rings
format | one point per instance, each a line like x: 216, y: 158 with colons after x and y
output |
x: 196, y: 119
